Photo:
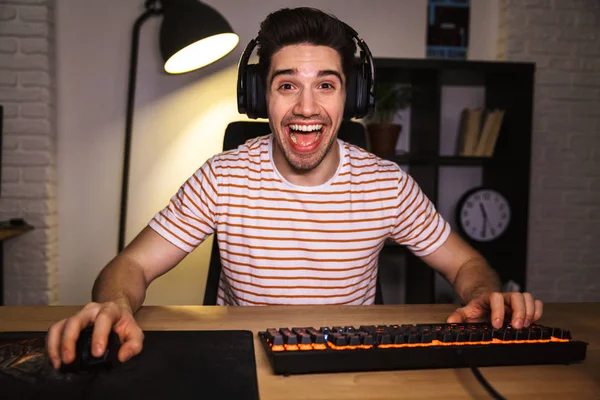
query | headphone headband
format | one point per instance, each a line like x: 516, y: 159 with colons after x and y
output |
x: 360, y: 99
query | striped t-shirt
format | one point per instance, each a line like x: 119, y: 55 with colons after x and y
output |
x: 286, y: 244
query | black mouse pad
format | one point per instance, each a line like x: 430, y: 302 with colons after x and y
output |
x: 172, y: 364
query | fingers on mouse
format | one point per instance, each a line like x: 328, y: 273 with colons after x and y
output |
x: 85, y: 361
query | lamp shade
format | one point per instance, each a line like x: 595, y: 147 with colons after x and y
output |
x: 193, y: 35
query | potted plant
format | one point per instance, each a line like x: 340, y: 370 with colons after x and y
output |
x: 383, y: 133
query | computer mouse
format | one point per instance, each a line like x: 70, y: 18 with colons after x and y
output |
x: 85, y: 361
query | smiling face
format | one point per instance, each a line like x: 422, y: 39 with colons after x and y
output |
x: 305, y: 100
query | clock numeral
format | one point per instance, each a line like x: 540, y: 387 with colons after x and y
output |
x: 493, y: 231
x: 469, y: 204
x: 504, y: 216
x: 467, y: 223
x: 486, y: 196
x: 501, y: 206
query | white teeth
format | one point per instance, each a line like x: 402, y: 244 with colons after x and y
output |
x: 306, y: 128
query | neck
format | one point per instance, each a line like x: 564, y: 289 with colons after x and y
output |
x: 314, y: 177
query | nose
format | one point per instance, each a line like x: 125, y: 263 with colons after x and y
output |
x: 306, y: 105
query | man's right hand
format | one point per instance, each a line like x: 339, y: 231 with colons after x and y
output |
x: 63, y: 335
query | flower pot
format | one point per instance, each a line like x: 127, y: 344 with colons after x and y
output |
x: 383, y: 138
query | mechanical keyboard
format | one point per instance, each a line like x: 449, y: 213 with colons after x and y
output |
x: 421, y: 346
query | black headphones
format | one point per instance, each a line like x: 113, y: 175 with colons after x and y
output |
x: 360, y: 96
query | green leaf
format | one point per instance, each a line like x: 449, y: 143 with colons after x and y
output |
x: 390, y: 97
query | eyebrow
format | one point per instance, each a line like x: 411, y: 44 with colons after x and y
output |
x: 294, y: 71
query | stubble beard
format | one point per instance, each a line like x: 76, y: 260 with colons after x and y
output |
x: 302, y: 163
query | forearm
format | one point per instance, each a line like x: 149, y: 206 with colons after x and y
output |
x: 122, y: 281
x: 474, y: 278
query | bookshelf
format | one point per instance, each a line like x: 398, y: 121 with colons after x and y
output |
x: 440, y: 90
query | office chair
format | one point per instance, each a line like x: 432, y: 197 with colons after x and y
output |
x: 236, y: 134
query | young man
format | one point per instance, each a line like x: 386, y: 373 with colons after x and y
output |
x: 301, y: 216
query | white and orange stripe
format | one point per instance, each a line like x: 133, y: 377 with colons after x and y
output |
x: 287, y: 244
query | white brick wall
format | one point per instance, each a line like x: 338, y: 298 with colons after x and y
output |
x: 563, y: 38
x: 27, y: 92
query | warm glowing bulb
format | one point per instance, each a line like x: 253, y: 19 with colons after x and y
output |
x: 201, y: 53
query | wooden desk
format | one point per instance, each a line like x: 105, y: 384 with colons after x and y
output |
x: 580, y: 381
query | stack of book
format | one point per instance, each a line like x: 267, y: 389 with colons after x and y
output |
x: 479, y: 132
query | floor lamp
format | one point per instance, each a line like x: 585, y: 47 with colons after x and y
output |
x: 192, y: 35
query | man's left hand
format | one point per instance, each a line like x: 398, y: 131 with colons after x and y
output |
x: 522, y: 308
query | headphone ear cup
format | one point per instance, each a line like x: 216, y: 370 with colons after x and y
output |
x: 357, y: 101
x: 361, y: 91
x: 250, y: 90
x: 350, y: 105
x: 242, y: 93
x: 256, y: 102
x: 261, y: 99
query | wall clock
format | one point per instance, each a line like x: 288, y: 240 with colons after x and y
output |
x: 483, y: 214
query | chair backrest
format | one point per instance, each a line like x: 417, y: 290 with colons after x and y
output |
x: 236, y: 134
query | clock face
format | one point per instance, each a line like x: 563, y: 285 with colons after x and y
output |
x: 484, y: 215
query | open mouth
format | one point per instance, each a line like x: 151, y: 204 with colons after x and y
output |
x: 305, y: 138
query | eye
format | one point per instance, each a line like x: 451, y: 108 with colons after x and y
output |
x: 285, y: 86
x: 327, y: 85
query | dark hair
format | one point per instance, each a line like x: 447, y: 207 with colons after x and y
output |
x: 303, y: 25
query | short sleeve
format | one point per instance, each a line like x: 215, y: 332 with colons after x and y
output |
x: 189, y: 218
x: 418, y: 225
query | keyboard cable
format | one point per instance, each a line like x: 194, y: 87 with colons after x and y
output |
x: 479, y: 376
x: 486, y: 384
